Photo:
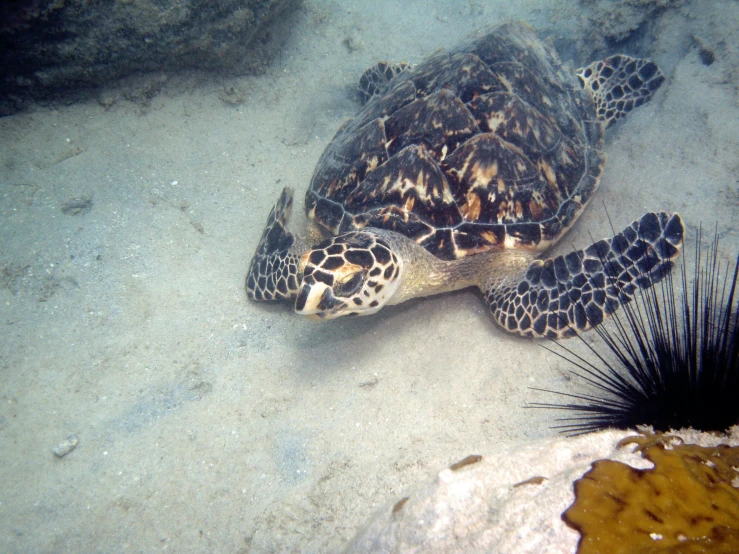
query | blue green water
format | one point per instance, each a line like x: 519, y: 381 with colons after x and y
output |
x: 210, y: 424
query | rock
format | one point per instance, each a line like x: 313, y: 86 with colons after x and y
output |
x: 50, y: 48
x: 509, y: 502
x: 66, y: 446
x: 77, y: 206
x: 616, y: 21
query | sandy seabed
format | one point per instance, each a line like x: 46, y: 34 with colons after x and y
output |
x: 210, y: 424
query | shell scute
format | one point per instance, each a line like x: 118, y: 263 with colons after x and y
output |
x: 439, y: 121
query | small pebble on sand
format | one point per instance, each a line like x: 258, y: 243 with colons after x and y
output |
x: 66, y: 446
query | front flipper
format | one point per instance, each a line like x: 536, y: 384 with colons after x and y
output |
x: 376, y: 80
x: 560, y: 297
x: 618, y: 84
x: 273, y: 272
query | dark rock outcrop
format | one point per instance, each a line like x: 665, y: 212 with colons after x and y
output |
x: 55, y: 48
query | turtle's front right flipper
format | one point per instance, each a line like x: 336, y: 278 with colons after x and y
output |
x: 273, y: 272
x: 562, y: 296
x: 618, y: 84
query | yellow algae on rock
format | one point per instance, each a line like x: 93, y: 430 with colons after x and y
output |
x: 688, y: 503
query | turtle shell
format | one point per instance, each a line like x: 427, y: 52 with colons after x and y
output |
x: 490, y: 146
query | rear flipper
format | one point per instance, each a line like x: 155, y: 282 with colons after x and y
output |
x: 560, y: 297
x: 376, y: 80
x: 273, y: 272
x: 618, y: 84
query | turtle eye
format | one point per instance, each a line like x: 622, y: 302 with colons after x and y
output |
x: 350, y: 285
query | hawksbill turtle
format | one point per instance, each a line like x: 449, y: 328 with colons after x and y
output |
x: 460, y: 172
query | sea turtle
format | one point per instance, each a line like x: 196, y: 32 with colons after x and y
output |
x: 459, y: 172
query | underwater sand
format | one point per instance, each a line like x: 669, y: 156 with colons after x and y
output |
x: 207, y: 423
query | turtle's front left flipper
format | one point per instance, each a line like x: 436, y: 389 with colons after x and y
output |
x: 376, y: 80
x: 561, y: 296
x: 274, y: 269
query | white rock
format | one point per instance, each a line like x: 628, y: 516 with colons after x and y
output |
x: 488, y: 506
x: 66, y: 446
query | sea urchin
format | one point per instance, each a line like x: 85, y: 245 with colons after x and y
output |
x: 674, y: 357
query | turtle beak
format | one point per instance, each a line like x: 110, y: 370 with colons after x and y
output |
x: 304, y: 261
x: 317, y: 301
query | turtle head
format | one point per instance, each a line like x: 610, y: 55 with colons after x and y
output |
x: 356, y: 273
